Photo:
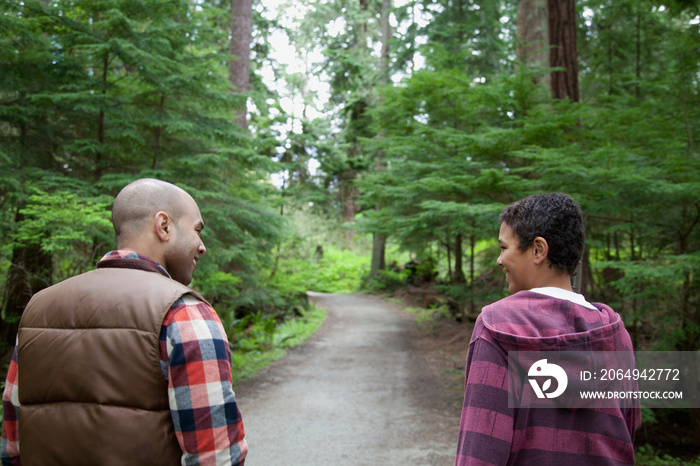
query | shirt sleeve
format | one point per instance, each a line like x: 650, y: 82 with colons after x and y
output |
x: 196, y: 361
x: 9, y: 445
x: 486, y: 426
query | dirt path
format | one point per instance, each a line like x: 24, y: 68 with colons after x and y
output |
x: 358, y: 392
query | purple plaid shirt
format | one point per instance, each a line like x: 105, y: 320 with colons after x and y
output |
x: 196, y: 362
x: 491, y: 433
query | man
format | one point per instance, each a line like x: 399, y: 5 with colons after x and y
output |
x: 541, y: 239
x: 126, y: 365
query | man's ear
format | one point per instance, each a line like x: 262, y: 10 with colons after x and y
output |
x: 163, y: 225
x: 540, y: 249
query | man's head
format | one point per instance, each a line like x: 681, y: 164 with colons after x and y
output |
x: 550, y: 225
x: 160, y: 221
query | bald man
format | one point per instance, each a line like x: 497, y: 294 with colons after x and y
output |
x: 126, y: 365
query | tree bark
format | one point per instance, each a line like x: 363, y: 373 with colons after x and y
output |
x: 348, y: 192
x: 386, y: 39
x: 379, y: 241
x: 533, y: 36
x: 562, y: 52
x: 458, y: 277
x: 157, y: 133
x: 101, y: 121
x: 472, y: 248
x: 239, y: 48
x: 378, y: 258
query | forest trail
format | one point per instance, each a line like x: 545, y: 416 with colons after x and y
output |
x: 358, y: 392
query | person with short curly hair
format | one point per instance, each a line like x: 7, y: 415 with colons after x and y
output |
x: 541, y: 239
x: 555, y: 217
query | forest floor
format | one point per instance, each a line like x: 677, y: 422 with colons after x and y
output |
x: 442, y: 342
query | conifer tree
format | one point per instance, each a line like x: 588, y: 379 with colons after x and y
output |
x: 239, y: 62
x: 103, y: 94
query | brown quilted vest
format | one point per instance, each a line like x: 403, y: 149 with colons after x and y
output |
x: 90, y: 385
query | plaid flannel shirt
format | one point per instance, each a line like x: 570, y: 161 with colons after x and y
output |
x: 196, y: 362
x: 492, y: 433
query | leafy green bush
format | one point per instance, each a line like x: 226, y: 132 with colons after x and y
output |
x: 262, y: 340
x: 337, y: 271
x: 647, y: 456
x: 387, y: 280
x: 428, y: 318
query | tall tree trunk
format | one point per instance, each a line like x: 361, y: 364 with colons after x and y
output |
x: 532, y: 49
x: 564, y: 84
x: 386, y: 40
x: 458, y: 277
x: 459, y: 19
x: 157, y: 133
x: 379, y: 241
x: 638, y: 53
x: 449, y: 255
x: 239, y: 63
x: 562, y: 52
x: 348, y: 193
x: 101, y: 121
x: 358, y: 112
x: 472, y: 248
x: 378, y: 257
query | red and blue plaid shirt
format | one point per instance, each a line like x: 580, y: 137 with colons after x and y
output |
x: 196, y: 362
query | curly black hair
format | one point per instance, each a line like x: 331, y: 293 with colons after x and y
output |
x: 557, y: 218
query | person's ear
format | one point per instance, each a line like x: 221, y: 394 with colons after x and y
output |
x: 163, y: 226
x: 540, y: 249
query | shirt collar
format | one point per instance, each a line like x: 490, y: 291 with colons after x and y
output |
x: 131, y: 260
x: 561, y: 293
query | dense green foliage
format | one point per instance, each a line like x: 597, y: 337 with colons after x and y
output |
x: 471, y: 131
x: 96, y: 94
x: 259, y: 340
x: 458, y: 147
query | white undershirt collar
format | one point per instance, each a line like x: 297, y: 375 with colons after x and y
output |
x: 561, y: 293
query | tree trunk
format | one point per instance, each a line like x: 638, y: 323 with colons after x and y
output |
x: 239, y: 63
x: 638, y: 54
x: 472, y: 248
x: 458, y: 277
x: 378, y: 260
x: 157, y: 133
x: 379, y: 241
x: 533, y: 36
x: 562, y: 52
x: 101, y: 121
x: 459, y: 19
x: 386, y: 39
x: 348, y: 193
x: 449, y: 256
x: 358, y: 112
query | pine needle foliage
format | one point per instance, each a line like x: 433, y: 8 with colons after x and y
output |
x: 95, y: 94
